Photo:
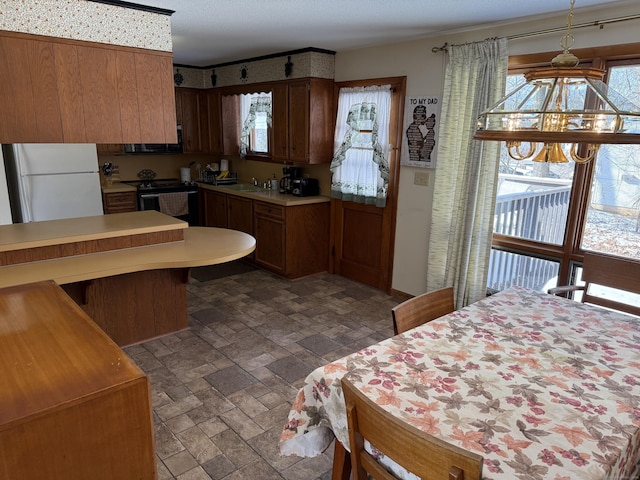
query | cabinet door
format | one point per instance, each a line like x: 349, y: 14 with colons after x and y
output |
x: 215, y: 209
x: 190, y: 122
x: 214, y: 121
x: 19, y: 118
x: 156, y: 98
x: 270, y: 243
x: 280, y: 122
x: 299, y: 121
x: 99, y: 84
x: 240, y: 214
x: 270, y: 234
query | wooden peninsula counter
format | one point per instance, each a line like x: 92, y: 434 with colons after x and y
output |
x: 128, y: 271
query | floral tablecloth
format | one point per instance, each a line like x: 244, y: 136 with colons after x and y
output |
x: 541, y: 386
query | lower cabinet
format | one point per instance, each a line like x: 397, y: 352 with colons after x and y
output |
x: 270, y: 234
x: 214, y: 211
x: 292, y: 241
x: 119, y: 202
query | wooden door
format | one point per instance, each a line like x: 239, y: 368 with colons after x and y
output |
x: 363, y: 236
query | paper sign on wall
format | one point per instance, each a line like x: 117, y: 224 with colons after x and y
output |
x: 421, y: 120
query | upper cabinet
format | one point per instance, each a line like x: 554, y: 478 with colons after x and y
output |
x: 65, y: 91
x: 303, y: 121
x: 198, y: 111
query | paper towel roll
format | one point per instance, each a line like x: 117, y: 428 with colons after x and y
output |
x: 185, y: 174
x: 224, y: 165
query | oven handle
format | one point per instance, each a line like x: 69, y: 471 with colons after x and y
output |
x: 155, y: 195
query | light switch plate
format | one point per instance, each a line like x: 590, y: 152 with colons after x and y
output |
x: 421, y: 178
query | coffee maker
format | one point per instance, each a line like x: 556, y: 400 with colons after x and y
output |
x: 289, y: 174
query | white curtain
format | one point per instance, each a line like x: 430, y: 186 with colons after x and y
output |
x: 250, y: 104
x: 360, y: 165
x: 467, y: 172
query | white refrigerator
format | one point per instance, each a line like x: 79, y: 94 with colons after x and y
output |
x: 52, y: 181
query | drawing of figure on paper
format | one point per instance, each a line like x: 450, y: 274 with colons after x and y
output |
x: 421, y: 135
x: 429, y: 138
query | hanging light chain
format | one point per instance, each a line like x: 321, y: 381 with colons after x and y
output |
x: 567, y: 39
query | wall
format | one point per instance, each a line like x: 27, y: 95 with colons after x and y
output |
x: 425, y: 72
x: 88, y: 21
x: 304, y: 63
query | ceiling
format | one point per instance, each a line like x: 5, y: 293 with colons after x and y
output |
x: 210, y: 32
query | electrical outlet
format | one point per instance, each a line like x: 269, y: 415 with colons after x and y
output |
x: 421, y: 178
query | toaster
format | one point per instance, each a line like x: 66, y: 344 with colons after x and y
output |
x: 305, y: 187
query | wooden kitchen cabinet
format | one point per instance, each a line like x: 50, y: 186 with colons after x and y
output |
x: 214, y: 208
x: 302, y: 113
x: 292, y: 241
x: 110, y: 148
x: 73, y: 405
x: 199, y: 113
x: 270, y: 235
x: 191, y: 103
x: 69, y: 91
x: 240, y: 214
x: 119, y: 202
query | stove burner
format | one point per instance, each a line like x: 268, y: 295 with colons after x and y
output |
x: 169, y: 185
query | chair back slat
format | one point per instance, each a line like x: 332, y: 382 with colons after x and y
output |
x: 422, y: 454
x: 610, y: 272
x: 422, y: 309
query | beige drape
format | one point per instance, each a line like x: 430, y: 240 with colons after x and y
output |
x: 467, y: 172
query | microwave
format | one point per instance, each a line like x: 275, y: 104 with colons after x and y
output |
x: 157, y: 148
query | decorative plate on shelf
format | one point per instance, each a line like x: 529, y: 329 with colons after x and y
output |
x: 146, y: 174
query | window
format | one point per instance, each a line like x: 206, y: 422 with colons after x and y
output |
x: 255, y: 112
x: 547, y: 215
x: 360, y: 165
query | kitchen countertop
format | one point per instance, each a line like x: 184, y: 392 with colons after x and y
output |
x: 118, y: 187
x: 201, y: 246
x: 20, y: 236
x: 266, y: 195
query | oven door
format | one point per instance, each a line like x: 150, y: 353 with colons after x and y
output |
x: 150, y: 201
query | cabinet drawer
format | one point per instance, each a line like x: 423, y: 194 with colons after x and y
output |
x: 269, y: 209
x: 119, y: 202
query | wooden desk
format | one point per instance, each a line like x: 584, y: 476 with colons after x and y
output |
x: 72, y: 404
x: 542, y: 387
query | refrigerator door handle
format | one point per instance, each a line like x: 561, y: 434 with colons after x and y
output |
x: 24, y: 193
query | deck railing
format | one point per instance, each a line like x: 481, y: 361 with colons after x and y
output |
x: 535, y: 215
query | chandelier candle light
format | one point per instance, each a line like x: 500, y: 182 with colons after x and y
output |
x: 561, y: 104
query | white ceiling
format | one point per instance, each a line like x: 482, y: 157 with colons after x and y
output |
x: 209, y: 32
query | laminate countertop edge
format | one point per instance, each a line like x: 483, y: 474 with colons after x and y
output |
x: 266, y: 195
x: 201, y: 246
x: 20, y: 236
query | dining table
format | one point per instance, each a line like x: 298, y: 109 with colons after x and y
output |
x: 543, y: 387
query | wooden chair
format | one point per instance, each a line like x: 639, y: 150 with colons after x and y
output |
x: 420, y: 453
x: 422, y: 309
x: 609, y: 272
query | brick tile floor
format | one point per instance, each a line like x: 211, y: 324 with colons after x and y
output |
x: 222, y: 389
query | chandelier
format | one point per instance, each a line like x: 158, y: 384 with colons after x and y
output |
x: 561, y: 104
